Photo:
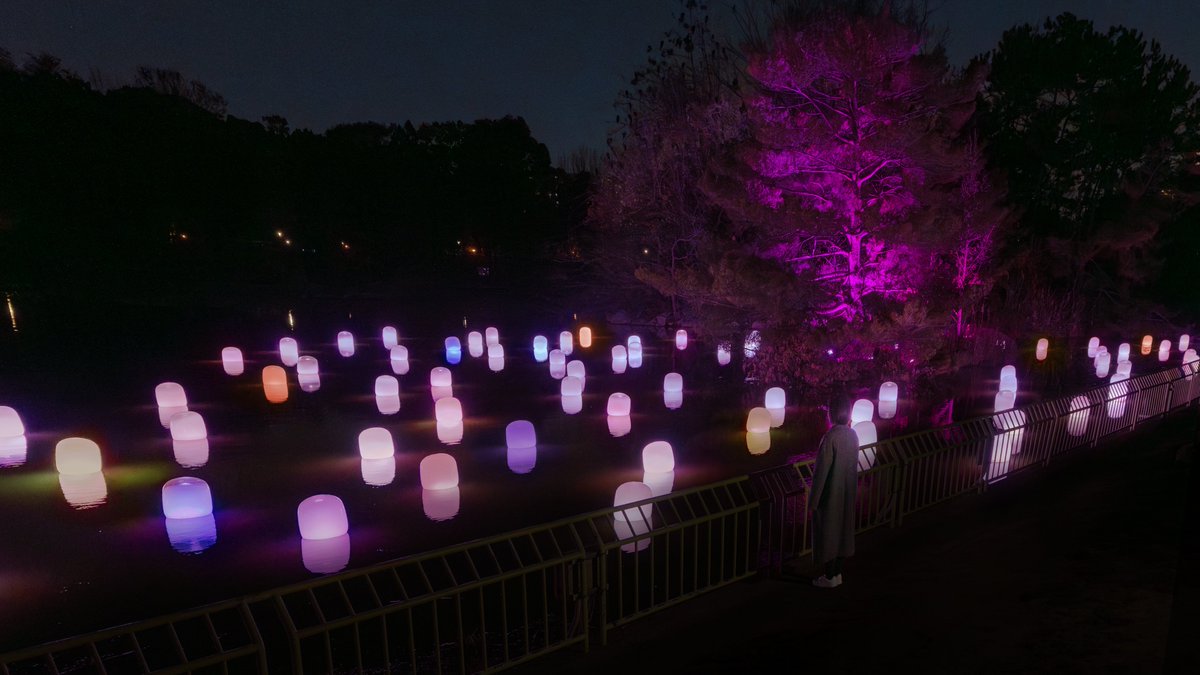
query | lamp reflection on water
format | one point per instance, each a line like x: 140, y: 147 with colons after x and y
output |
x: 326, y: 556
x: 192, y: 535
x: 84, y: 491
x: 619, y: 425
x: 379, y: 472
x: 673, y: 400
x: 13, y: 451
x: 451, y: 433
x: 522, y: 460
x: 628, y: 530
x: 191, y: 454
x: 441, y: 505
x: 758, y: 442
x: 571, y: 405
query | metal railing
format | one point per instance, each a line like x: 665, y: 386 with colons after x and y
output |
x: 493, y: 603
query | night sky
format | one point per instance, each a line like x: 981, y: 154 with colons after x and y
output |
x: 557, y: 63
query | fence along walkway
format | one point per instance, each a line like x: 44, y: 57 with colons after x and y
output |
x: 496, y: 602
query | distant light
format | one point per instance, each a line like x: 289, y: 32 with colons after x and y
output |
x: 279, y: 234
x: 1043, y: 347
x: 183, y: 236
x: 829, y: 352
x: 345, y: 246
x: 566, y: 342
x: 645, y: 251
x: 288, y: 242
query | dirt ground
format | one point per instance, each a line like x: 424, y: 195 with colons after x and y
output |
x: 1089, y: 566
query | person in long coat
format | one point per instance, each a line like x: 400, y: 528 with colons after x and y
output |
x: 835, y: 484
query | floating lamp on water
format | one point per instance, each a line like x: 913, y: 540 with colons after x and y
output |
x: 673, y: 382
x: 566, y: 342
x: 1191, y: 362
x: 619, y: 404
x: 440, y: 377
x: 619, y: 425
x: 450, y: 434
x: 1103, y: 361
x: 390, y: 337
x: 658, y: 457
x: 322, y: 517
x: 631, y: 493
x: 77, y: 456
x: 289, y: 351
x: 758, y: 421
x: 386, y: 386
x: 520, y: 434
x: 1004, y: 400
x: 439, y: 471
x: 1123, y: 352
x: 571, y: 386
x: 558, y: 364
x: 1185, y: 340
x: 1147, y: 345
x: 1078, y: 419
x: 495, y: 352
x: 448, y: 411
x: 14, y: 450
x: 681, y: 339
x: 863, y: 411
x: 723, y: 355
x: 170, y: 395
x: 540, y: 347
x: 275, y: 384
x: 1008, y: 378
x: 1093, y: 347
x: 1043, y: 348
x: 635, y: 354
x: 775, y: 398
x: 10, y: 423
x: 1164, y: 350
x: 1125, y: 368
x: 186, y: 497
x: 399, y: 359
x: 475, y: 343
x: 620, y: 359
x: 576, y: 369
x: 307, y: 365
x: 376, y: 443
x: 496, y: 363
x: 345, y: 343
x: 585, y: 337
x: 453, y: 350
x: 492, y: 336
x: 889, y: 394
x: 521, y: 460
x: 231, y: 361
x: 188, y: 426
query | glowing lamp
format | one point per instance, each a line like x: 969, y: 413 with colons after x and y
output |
x: 635, y: 355
x: 475, y: 343
x: 631, y: 493
x: 375, y: 443
x: 658, y: 457
x: 191, y: 454
x: 775, y: 398
x: 1123, y: 352
x: 1008, y: 378
x: 723, y: 355
x: 659, y: 482
x: 862, y: 411
x: 439, y: 471
x: 566, y: 342
x: 619, y: 425
x: 558, y: 364
x: 619, y: 404
x: 571, y: 386
x: 386, y: 386
x: 1093, y: 347
x: 495, y: 351
x: 673, y: 400
x: 1103, y: 362
x: 188, y: 426
x: 633, y: 340
x: 540, y: 347
x: 307, y: 365
x: 1190, y: 364
x: 620, y: 359
x: 170, y: 395
x: 289, y: 351
x: 186, y: 497
x: 76, y: 456
x: 345, y: 343
x: 322, y: 517
x: 888, y: 391
x: 439, y: 377
x: 673, y: 382
x: 492, y: 335
x: 1164, y: 350
x: 575, y: 368
x: 681, y: 339
x: 758, y: 421
x: 1043, y: 347
x: 1147, y: 345
x: 777, y: 415
x: 1184, y: 341
x: 520, y: 434
x: 390, y: 337
x: 448, y: 411
x: 275, y: 384
x: 867, y: 435
x: 1078, y: 419
x: 231, y: 361
x: 1005, y: 400
x: 10, y: 423
x: 758, y: 443
x: 585, y: 337
x: 399, y: 359
x: 453, y: 350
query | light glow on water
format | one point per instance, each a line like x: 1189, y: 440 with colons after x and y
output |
x: 325, y: 556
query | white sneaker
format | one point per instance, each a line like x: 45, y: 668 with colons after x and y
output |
x: 823, y: 581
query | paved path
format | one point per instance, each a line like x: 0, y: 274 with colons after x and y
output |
x: 1069, y: 570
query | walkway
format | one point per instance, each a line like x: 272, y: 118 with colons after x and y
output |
x: 1070, y: 570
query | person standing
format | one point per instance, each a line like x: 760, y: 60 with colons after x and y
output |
x: 831, y: 500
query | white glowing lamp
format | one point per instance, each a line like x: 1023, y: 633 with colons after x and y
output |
x: 571, y: 386
x: 448, y: 411
x: 1078, y: 419
x: 1103, y: 363
x: 633, y: 340
x: 863, y: 411
x: 1147, y: 344
x: 439, y: 377
x: 390, y: 337
x: 453, y: 349
x: 1184, y: 341
x: 186, y: 497
x: 439, y: 471
x: 231, y: 361
x: 631, y: 493
x: 540, y: 348
x: 681, y: 339
x: 620, y: 359
x: 495, y: 351
x: 673, y: 382
x: 1164, y: 350
x: 635, y: 355
x: 1005, y: 400
x: 888, y: 391
x: 10, y: 423
x: 558, y: 364
x: 345, y: 343
x: 723, y: 355
x: 1093, y: 347
x: 866, y: 432
x: 170, y: 395
x: 775, y: 398
x: 475, y: 343
x: 758, y: 421
x: 275, y: 384
x: 289, y: 351
x: 585, y: 337
x: 566, y: 342
x: 307, y: 366
x: 619, y: 405
x: 1043, y: 348
x: 520, y: 434
x: 658, y: 457
x: 376, y: 443
x: 1190, y: 357
x: 1123, y: 352
x: 188, y: 426
x: 399, y: 359
x: 1008, y: 378
x: 386, y: 386
x: 492, y: 335
x: 322, y: 517
x: 77, y: 456
x: 575, y: 368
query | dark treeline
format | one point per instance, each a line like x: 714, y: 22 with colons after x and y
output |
x: 152, y: 190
